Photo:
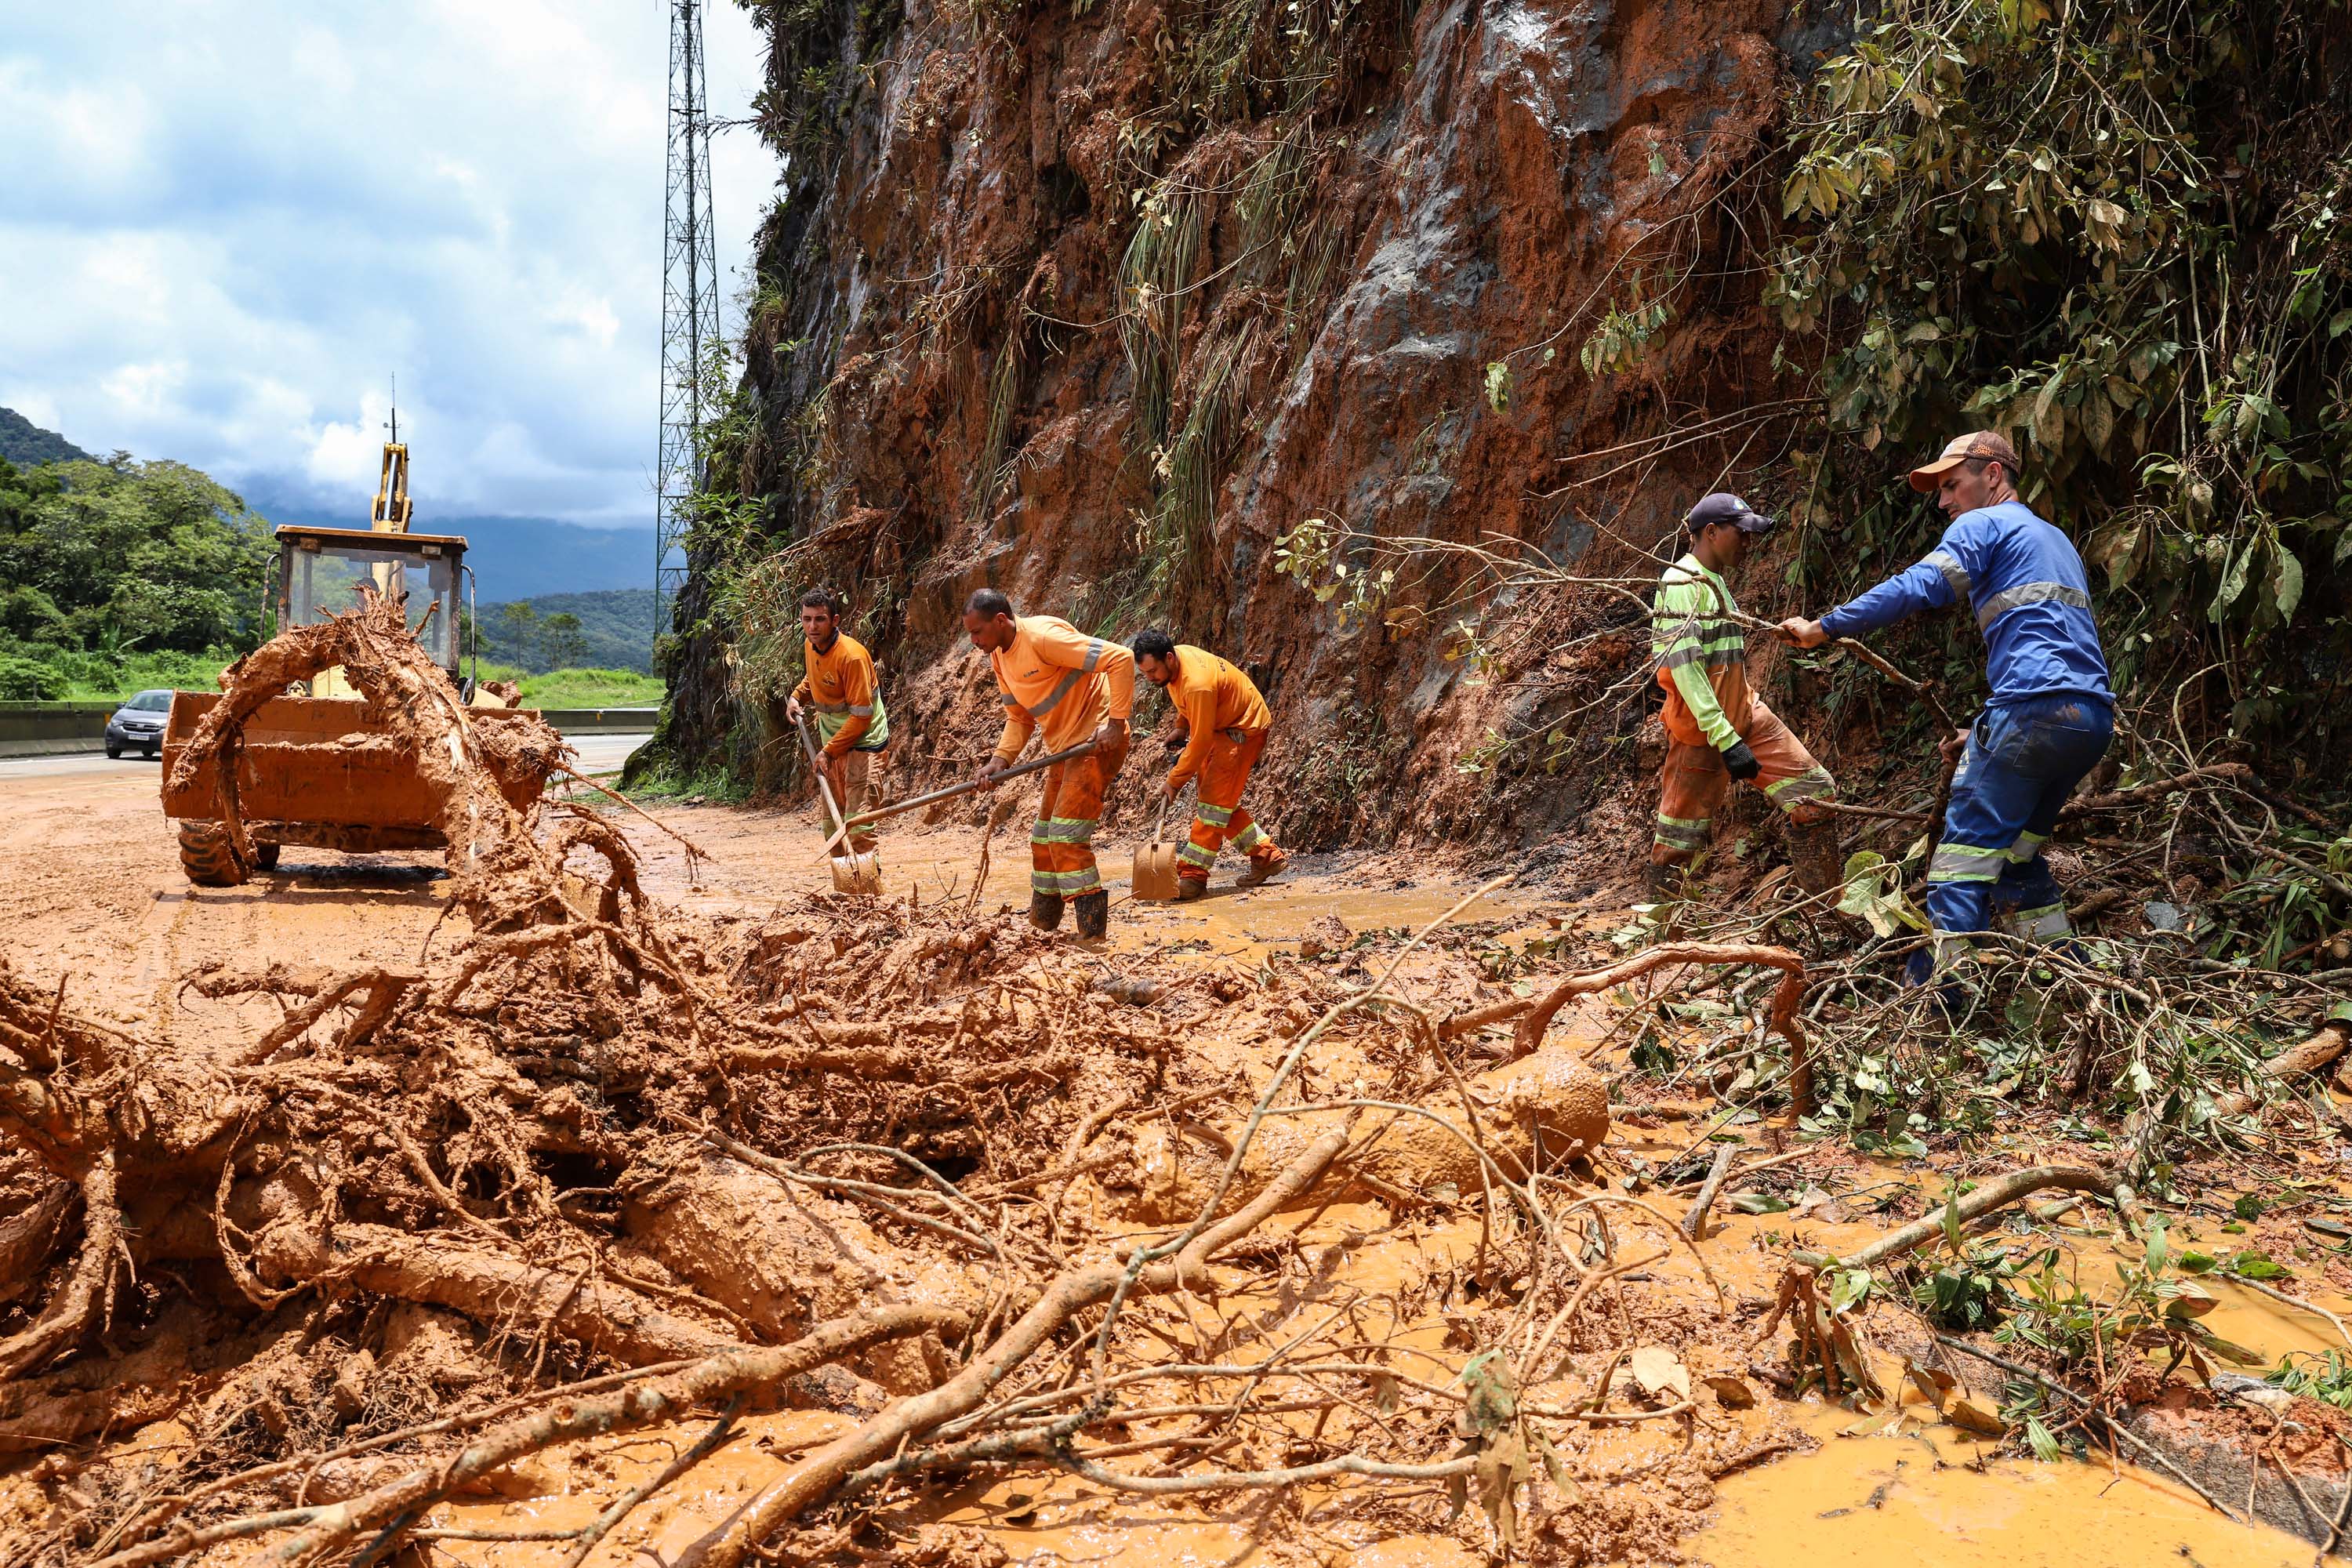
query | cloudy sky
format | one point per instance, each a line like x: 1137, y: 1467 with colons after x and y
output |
x: 228, y: 224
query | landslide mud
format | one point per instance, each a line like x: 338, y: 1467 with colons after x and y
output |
x: 581, y: 1147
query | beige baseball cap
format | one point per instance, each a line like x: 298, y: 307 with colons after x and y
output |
x: 1991, y: 444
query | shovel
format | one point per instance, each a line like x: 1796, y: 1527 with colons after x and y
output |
x: 954, y: 791
x: 852, y: 872
x: 1155, y: 879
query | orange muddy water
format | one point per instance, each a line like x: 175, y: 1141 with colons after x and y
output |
x: 93, y: 891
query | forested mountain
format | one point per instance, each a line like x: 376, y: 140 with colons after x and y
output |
x: 102, y: 563
x: 613, y: 629
x: 23, y: 443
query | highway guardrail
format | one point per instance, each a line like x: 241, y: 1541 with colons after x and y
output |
x: 39, y: 729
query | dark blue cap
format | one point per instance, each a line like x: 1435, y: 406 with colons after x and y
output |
x: 1723, y: 507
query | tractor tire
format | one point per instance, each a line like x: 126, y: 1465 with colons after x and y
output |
x: 205, y: 857
x: 265, y: 856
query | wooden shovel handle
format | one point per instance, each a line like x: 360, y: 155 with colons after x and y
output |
x: 968, y: 787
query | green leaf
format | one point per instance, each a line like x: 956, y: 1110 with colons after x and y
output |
x: 1873, y: 892
x: 1498, y: 384
x: 2233, y: 583
x: 2254, y: 1265
x: 2199, y: 1263
x: 1493, y: 1395
x: 2037, y: 1438
x: 1848, y: 1286
x: 2286, y: 581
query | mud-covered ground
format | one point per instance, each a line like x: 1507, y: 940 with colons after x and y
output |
x: 1689, y: 1446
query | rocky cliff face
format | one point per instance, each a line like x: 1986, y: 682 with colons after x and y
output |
x: 1099, y: 303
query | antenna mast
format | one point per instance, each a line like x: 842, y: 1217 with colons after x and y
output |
x: 689, y: 302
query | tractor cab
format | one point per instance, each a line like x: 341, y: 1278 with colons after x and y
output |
x: 323, y: 571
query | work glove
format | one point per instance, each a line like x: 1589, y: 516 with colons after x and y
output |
x: 1739, y: 762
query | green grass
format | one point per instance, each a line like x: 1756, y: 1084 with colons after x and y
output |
x: 556, y: 689
x: 142, y: 672
x: 588, y: 689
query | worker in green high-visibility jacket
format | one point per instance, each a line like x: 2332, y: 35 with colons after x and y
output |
x: 1718, y: 728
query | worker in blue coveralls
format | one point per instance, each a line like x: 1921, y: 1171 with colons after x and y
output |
x: 2051, y: 714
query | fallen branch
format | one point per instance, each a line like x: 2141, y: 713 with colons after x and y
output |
x: 1988, y: 1197
x: 1694, y: 1222
x: 2321, y: 1050
x: 1536, y: 1018
x: 2092, y: 1412
x: 2138, y: 794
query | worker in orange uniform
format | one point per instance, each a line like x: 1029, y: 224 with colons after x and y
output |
x: 1223, y: 724
x: 841, y: 686
x: 1080, y: 689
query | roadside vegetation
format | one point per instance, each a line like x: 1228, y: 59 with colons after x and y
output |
x: 108, y: 568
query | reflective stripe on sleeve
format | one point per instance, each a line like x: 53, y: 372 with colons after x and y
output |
x: 2008, y: 599
x: 1954, y: 575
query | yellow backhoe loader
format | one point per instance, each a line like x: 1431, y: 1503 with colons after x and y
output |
x: 306, y: 772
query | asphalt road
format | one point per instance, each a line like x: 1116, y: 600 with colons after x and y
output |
x: 598, y: 754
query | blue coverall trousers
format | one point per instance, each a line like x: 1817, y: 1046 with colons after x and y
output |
x: 2023, y: 759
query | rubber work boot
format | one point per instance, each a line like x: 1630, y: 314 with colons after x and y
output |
x: 1045, y: 911
x: 1662, y: 882
x: 1813, y: 857
x: 1190, y: 888
x: 1094, y: 914
x: 1264, y: 870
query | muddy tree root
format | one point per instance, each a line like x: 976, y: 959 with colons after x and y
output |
x: 820, y: 1477
x: 665, y: 1398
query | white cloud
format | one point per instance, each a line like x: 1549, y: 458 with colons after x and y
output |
x: 231, y: 222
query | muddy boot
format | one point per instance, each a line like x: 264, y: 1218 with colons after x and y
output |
x: 1045, y: 911
x: 1663, y: 882
x: 1813, y: 857
x: 1190, y: 888
x: 1265, y: 868
x: 1094, y: 914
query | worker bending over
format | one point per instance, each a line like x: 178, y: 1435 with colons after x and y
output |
x: 2051, y: 714
x: 841, y: 686
x: 1223, y: 721
x: 1079, y: 687
x: 1719, y: 730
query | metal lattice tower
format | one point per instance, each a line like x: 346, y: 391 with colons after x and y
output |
x: 689, y: 302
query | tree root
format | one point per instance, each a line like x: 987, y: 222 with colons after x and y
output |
x: 640, y: 1405
x: 89, y: 1291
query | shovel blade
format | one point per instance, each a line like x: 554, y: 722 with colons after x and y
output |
x: 858, y: 873
x: 1154, y: 877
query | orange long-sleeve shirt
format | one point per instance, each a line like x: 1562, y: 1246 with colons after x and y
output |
x: 842, y: 686
x: 1055, y: 674
x: 1211, y: 694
